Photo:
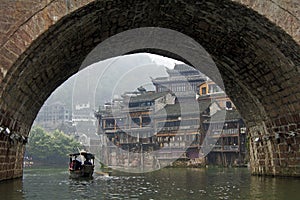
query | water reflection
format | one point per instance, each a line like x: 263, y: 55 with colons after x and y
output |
x: 164, y: 184
x: 274, y: 188
x: 11, y: 190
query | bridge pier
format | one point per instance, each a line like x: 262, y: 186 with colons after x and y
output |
x: 11, y: 158
x: 274, y: 147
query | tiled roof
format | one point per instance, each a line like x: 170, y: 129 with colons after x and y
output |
x: 228, y: 115
x: 179, y: 109
x: 184, y: 67
x: 147, y: 97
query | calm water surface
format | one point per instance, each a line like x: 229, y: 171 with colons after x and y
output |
x: 212, y: 183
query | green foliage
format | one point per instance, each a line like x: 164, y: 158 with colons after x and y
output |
x: 50, y: 148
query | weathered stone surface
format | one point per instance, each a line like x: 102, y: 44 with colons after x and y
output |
x: 284, y: 13
x: 255, y: 44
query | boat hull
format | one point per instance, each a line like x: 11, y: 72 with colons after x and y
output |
x: 86, y: 171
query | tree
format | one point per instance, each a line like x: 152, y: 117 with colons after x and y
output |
x: 50, y: 148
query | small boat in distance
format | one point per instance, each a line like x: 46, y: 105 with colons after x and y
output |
x: 81, y: 164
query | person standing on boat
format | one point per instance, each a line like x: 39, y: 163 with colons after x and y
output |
x: 72, y: 164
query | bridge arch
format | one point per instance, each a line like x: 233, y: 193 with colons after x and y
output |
x: 259, y: 63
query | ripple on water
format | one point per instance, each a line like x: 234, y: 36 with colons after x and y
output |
x: 164, y: 184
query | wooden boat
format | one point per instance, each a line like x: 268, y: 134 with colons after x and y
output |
x: 81, y: 164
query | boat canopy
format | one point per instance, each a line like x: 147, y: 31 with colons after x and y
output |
x: 83, y: 153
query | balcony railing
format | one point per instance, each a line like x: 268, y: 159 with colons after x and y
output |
x: 234, y: 131
x: 226, y: 148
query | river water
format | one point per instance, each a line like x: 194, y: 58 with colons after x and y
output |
x: 211, y: 183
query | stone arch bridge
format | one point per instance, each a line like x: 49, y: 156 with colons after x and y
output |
x: 255, y: 44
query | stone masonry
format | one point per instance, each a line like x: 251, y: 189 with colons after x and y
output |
x: 254, y: 43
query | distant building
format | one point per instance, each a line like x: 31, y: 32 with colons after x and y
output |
x: 178, y: 131
x: 228, y: 136
x: 83, y: 119
x: 166, y: 121
x: 53, y: 116
x: 183, y: 80
x: 128, y: 124
x: 209, y: 90
x: 223, y: 127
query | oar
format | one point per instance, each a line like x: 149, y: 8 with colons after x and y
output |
x: 99, y: 172
x: 102, y: 173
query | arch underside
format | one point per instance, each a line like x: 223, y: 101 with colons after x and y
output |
x: 259, y: 62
